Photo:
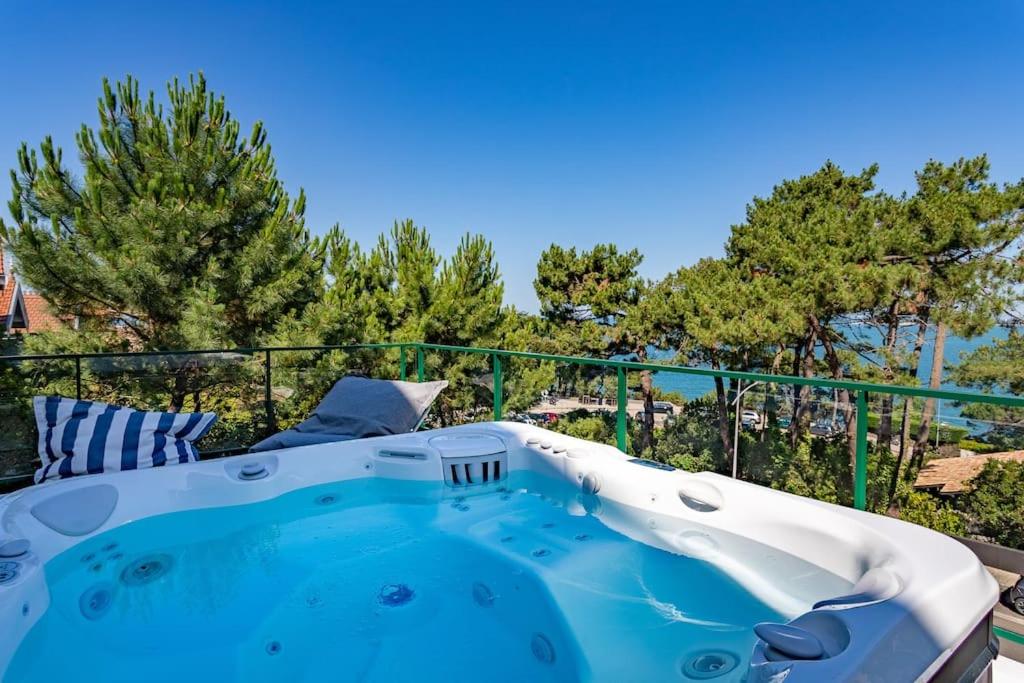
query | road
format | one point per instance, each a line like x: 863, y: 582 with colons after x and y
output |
x: 567, y: 405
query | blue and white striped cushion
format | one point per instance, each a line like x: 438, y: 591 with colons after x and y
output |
x: 86, y: 437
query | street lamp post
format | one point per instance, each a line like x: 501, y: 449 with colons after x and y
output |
x: 740, y: 390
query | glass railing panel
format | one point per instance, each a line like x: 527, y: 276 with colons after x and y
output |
x: 226, y: 383
x: 20, y: 381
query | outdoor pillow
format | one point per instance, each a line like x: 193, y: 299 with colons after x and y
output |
x: 358, y: 407
x: 87, y: 437
x: 290, y: 438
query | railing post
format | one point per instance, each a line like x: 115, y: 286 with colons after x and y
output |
x: 421, y: 373
x: 860, y: 474
x: 78, y: 378
x: 620, y: 410
x: 496, y: 364
x: 268, y: 399
x: 401, y: 363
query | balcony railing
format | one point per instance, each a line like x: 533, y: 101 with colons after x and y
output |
x: 860, y: 391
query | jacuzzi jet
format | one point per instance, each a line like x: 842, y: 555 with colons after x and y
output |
x: 326, y: 499
x: 482, y: 595
x: 15, y: 548
x: 395, y: 595
x: 507, y: 539
x: 146, y: 570
x: 711, y: 664
x: 273, y: 648
x: 253, y: 470
x: 8, y: 572
x: 582, y: 537
x: 541, y: 552
x: 95, y: 602
x: 542, y: 648
x: 110, y: 547
x: 547, y: 525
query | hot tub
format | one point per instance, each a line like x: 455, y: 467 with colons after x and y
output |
x: 498, y: 552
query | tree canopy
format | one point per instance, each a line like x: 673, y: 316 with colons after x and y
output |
x: 179, y: 233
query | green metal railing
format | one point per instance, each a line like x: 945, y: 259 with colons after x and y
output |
x: 860, y: 391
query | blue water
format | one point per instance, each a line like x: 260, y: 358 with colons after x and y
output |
x: 377, y: 580
x: 691, y: 386
x: 949, y: 412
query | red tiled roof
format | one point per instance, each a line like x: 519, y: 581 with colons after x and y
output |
x: 952, y: 475
x: 6, y: 297
x: 40, y: 317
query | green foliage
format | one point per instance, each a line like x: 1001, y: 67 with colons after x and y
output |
x: 179, y: 234
x: 403, y: 290
x: 690, y: 441
x: 596, y: 285
x: 813, y: 236
x: 673, y: 397
x: 946, y: 433
x: 925, y: 509
x: 995, y: 503
x: 997, y: 368
x: 977, y: 446
x: 598, y: 427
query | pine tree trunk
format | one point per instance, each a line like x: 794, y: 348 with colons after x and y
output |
x: 885, y: 419
x: 771, y: 408
x: 647, y: 392
x: 801, y: 414
x: 722, y: 401
x: 915, y: 363
x: 178, y: 391
x: 842, y: 402
x: 905, y: 436
x: 934, y: 382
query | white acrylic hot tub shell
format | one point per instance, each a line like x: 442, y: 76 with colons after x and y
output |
x: 943, y: 591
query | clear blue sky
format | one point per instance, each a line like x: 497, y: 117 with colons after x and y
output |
x: 647, y: 125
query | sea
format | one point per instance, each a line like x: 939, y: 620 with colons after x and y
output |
x: 693, y: 386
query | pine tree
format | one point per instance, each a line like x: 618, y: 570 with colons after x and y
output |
x: 402, y: 290
x: 178, y: 235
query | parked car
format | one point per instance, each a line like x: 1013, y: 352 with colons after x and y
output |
x: 784, y: 421
x: 750, y: 418
x: 663, y: 407
x: 825, y: 428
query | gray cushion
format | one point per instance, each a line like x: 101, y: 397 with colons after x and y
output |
x: 290, y: 438
x: 358, y: 407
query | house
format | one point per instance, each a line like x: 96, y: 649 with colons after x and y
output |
x: 22, y: 311
x: 952, y: 476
